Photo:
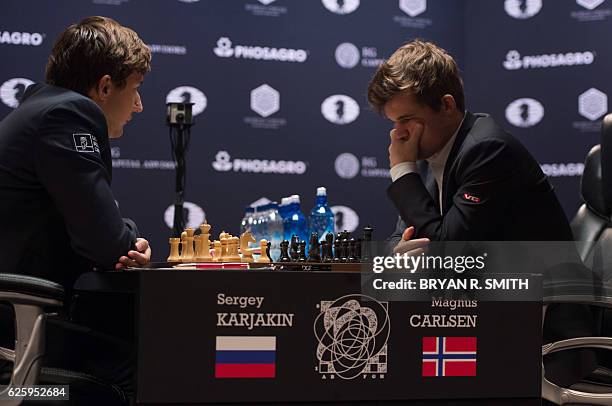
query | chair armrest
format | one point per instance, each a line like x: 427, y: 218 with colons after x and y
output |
x: 30, y: 290
x: 30, y: 298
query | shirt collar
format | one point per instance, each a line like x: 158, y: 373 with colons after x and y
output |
x: 440, y: 157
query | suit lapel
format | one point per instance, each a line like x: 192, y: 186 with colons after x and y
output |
x: 430, y: 182
x: 466, y: 126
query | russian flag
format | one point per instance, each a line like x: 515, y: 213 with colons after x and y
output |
x: 245, y: 357
x: 449, y: 356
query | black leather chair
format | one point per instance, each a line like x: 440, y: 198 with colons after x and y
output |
x: 592, y: 225
x: 592, y: 229
x: 33, y: 301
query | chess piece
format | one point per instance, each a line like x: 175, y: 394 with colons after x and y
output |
x: 284, y: 255
x: 352, y: 247
x: 245, y: 239
x: 224, y: 241
x: 329, y: 238
x: 293, y: 253
x: 337, y: 249
x: 187, y: 245
x: 366, y: 245
x: 263, y: 258
x: 268, y: 247
x: 204, y: 255
x: 313, y: 249
x: 344, y: 244
x: 302, y: 251
x: 358, y: 250
x: 217, y: 251
x: 197, y: 242
x: 174, y: 250
x: 232, y: 249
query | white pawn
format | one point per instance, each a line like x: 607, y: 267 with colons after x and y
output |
x: 263, y: 258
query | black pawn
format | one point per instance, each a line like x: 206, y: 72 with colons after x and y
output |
x: 268, y: 251
x: 284, y: 255
x: 329, y: 238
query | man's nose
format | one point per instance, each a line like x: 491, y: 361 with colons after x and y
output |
x: 138, y: 104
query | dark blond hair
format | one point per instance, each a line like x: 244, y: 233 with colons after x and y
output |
x: 95, y: 47
x: 422, y: 67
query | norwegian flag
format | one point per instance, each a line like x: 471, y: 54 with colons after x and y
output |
x: 449, y: 356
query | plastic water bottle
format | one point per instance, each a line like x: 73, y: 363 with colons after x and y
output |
x: 295, y: 222
x: 263, y: 223
x: 247, y: 221
x: 283, y: 210
x: 275, y: 230
x: 321, y: 216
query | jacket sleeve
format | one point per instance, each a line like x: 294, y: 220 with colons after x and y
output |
x: 485, y: 184
x: 78, y: 182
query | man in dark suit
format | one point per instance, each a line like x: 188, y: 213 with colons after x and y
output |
x: 458, y: 176
x: 474, y: 181
x: 58, y: 216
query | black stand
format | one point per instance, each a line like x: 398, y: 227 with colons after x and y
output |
x: 179, y: 138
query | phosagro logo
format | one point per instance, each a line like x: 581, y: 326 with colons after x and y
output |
x: 21, y: 38
x: 188, y: 94
x: 347, y: 165
x: 224, y: 49
x: 12, y: 90
x: 524, y: 112
x: 345, y: 218
x: 514, y: 60
x: 341, y: 6
x: 522, y: 9
x: 340, y: 109
x: 224, y: 163
x: 192, y: 213
x: 347, y: 55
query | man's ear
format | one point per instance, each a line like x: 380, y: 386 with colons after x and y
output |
x: 101, y: 90
x: 448, y: 103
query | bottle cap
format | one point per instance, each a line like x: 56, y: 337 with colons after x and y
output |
x: 321, y: 191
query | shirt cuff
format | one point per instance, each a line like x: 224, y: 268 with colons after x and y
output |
x: 403, y: 168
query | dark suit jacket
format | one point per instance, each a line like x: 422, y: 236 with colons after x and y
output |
x: 493, y: 190
x: 58, y: 216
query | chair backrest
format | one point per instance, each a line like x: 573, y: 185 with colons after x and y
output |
x: 592, y: 224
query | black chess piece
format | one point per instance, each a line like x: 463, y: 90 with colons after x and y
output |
x: 358, y: 250
x: 284, y: 255
x: 366, y: 245
x: 344, y: 244
x: 329, y: 238
x: 337, y: 250
x: 293, y: 253
x: 302, y: 251
x: 352, y: 247
x: 314, y: 248
x: 326, y: 253
x: 268, y: 245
